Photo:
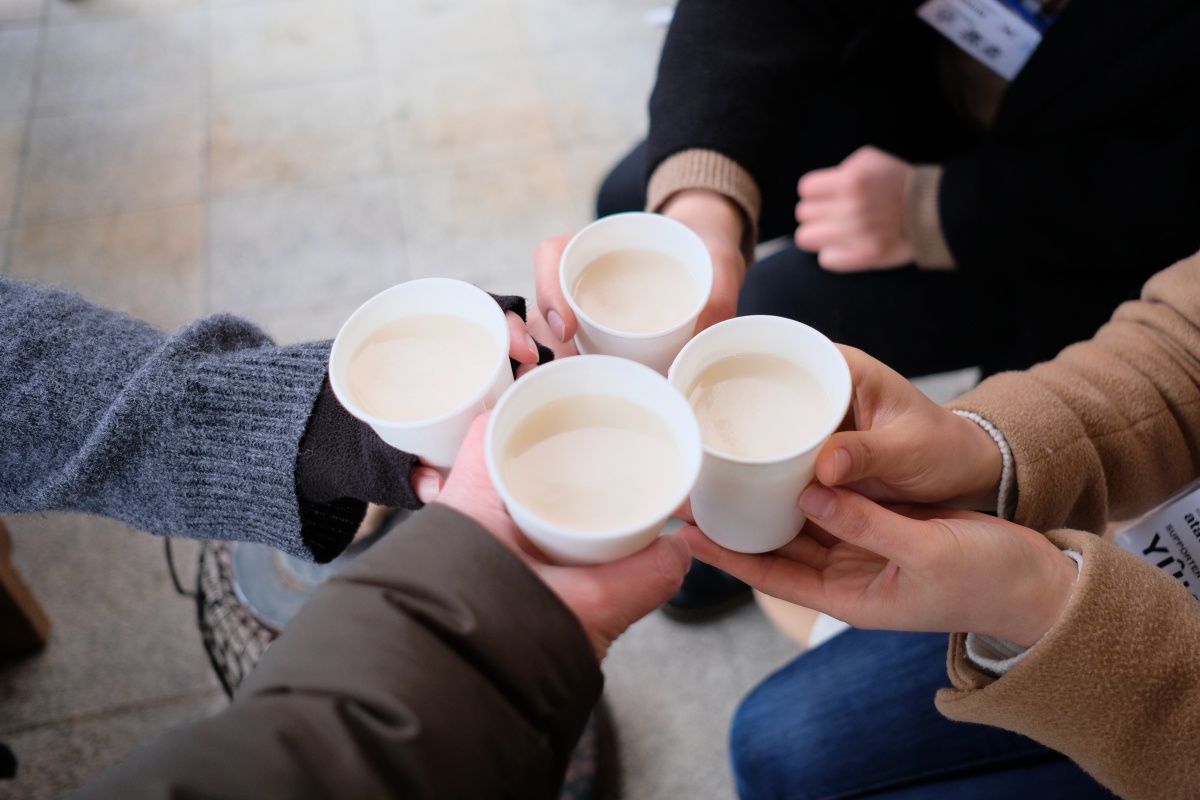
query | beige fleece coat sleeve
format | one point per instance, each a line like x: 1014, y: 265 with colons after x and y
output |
x: 1115, y: 684
x: 708, y: 169
x: 1106, y: 430
x: 1111, y: 426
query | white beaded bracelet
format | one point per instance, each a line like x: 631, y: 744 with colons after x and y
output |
x: 1007, y: 472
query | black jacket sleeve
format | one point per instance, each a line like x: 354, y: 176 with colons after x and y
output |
x: 734, y: 76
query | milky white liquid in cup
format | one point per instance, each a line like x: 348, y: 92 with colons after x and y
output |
x: 636, y: 291
x: 592, y: 463
x: 758, y: 406
x: 420, y: 367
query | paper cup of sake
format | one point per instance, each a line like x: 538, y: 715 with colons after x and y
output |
x: 591, y: 455
x: 637, y: 284
x: 417, y: 362
x: 767, y: 392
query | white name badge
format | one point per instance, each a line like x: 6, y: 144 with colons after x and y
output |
x: 1169, y: 537
x: 991, y: 32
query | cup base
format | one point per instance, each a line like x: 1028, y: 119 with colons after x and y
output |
x: 739, y: 538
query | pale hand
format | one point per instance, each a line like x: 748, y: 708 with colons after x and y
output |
x: 715, y: 220
x: 606, y: 598
x: 719, y: 224
x: 521, y: 347
x: 897, y: 445
x: 852, y: 215
x: 909, y: 568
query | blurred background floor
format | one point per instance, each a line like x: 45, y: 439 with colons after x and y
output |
x: 285, y: 160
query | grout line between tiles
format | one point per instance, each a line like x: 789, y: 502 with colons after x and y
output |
x: 401, y: 265
x: 163, y: 701
x: 14, y: 213
x: 206, y: 302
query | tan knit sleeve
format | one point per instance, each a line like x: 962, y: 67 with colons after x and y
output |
x: 923, y: 223
x: 707, y: 169
x: 1114, y: 685
x: 1112, y: 425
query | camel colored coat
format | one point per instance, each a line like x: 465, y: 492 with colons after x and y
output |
x: 1107, y: 430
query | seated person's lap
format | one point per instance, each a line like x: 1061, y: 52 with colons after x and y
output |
x: 855, y: 718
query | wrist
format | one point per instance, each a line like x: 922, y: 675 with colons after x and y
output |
x: 1051, y: 592
x: 340, y: 456
x: 984, y: 464
x: 713, y: 216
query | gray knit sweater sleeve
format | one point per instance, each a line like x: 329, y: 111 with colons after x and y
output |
x: 194, y: 434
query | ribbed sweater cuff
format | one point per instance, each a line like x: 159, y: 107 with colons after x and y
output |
x: 922, y: 222
x: 707, y: 169
x: 236, y: 472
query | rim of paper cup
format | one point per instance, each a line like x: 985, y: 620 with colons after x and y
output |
x: 358, y: 411
x: 836, y: 417
x: 690, y: 473
x: 604, y: 221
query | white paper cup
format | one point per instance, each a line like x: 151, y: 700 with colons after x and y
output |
x: 434, y: 440
x: 640, y: 231
x: 608, y: 378
x: 751, y: 504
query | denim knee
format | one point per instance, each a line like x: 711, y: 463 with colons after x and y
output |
x: 769, y: 743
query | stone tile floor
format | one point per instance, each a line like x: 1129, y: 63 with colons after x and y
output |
x: 286, y: 160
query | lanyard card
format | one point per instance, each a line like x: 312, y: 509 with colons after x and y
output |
x: 993, y: 32
x: 1169, y: 537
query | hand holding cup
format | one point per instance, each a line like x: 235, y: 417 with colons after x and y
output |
x: 768, y: 392
x: 630, y: 285
x: 909, y: 568
x: 897, y: 445
x: 420, y: 360
x: 592, y: 454
x: 606, y: 598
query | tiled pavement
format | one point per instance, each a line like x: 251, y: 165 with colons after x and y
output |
x: 285, y: 160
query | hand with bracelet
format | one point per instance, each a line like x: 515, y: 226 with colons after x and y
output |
x: 909, y: 567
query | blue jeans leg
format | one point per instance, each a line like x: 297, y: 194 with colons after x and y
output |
x: 854, y: 718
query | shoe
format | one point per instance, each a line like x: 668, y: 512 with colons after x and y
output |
x: 707, y: 592
x: 592, y: 772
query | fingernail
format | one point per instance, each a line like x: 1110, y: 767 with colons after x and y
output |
x: 556, y: 325
x: 428, y: 487
x: 532, y: 345
x: 841, y: 464
x: 817, y: 501
x: 682, y: 552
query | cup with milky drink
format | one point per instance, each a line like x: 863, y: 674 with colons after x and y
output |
x: 417, y: 362
x: 767, y: 393
x: 591, y: 455
x: 637, y: 284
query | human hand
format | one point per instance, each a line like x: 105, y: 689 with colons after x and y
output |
x: 909, y: 568
x: 852, y: 215
x: 541, y: 331
x: 897, y: 445
x: 719, y: 224
x: 715, y: 220
x: 605, y: 598
x: 521, y: 346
